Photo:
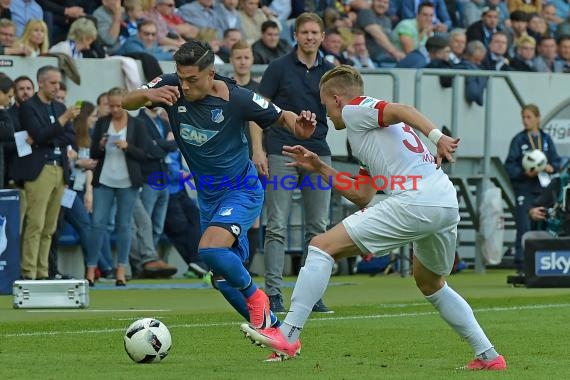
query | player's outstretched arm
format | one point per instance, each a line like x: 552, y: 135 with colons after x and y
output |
x: 397, y: 113
x: 136, y: 99
x: 357, y: 191
x: 301, y: 126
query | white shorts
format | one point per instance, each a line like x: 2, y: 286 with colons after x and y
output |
x: 390, y: 224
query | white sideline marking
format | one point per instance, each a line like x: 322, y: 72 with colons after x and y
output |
x: 96, y: 311
x: 354, y: 317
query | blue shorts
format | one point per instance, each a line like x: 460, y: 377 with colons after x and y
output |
x: 236, y: 209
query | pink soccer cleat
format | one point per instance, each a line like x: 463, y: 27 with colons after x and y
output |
x: 497, y: 364
x: 259, y: 311
x: 273, y: 340
x: 275, y: 357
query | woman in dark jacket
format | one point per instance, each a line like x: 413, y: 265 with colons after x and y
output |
x: 118, y: 143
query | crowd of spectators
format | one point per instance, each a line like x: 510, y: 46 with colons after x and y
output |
x: 512, y: 35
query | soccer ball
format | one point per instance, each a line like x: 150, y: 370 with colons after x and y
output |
x: 534, y: 160
x: 147, y: 341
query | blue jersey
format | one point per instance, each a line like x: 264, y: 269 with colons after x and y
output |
x: 211, y: 135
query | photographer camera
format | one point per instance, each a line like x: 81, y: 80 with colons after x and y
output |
x: 551, y: 211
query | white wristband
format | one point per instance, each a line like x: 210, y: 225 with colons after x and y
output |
x: 434, y: 136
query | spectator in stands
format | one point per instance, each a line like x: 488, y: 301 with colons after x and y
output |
x: 109, y: 20
x: 496, y: 58
x: 332, y: 48
x: 24, y: 11
x: 84, y: 165
x: 82, y: 34
x: 7, y: 128
x: 378, y: 28
x: 484, y: 29
x: 524, y: 58
x: 118, y: 144
x: 292, y: 80
x: 545, y: 61
x: 42, y: 172
x: 59, y: 14
x: 537, y: 27
x: 474, y: 54
x: 469, y: 12
x: 241, y: 59
x: 182, y: 224
x: 251, y: 19
x: 227, y: 16
x: 133, y: 17
x: 457, y: 42
x: 436, y: 48
x: 175, y: 22
x: 154, y: 196
x: 526, y: 185
x: 527, y: 6
x: 77, y: 216
x: 230, y: 37
x: 8, y: 38
x: 35, y: 38
x: 143, y: 257
x: 61, y: 93
x: 564, y: 28
x: 358, y: 52
x: 269, y: 46
x: 282, y: 10
x: 410, y: 9
x: 5, y: 11
x: 199, y: 13
x: 564, y: 52
x: 166, y: 37
x: 145, y: 42
x: 102, y: 105
x: 518, y: 28
x: 552, y: 20
x: 23, y: 90
x: 412, y: 33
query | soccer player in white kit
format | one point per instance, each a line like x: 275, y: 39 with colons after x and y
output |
x: 421, y: 208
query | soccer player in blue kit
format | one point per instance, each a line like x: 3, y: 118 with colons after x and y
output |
x: 208, y: 114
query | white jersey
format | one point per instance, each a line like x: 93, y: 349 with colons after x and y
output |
x: 394, y: 157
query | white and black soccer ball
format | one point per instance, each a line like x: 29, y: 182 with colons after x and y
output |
x: 534, y: 160
x: 147, y: 341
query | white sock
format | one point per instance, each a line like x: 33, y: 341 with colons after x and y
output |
x: 310, y: 287
x: 459, y: 315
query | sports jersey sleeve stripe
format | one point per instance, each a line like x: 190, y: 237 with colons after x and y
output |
x: 380, y: 107
x: 356, y: 101
x: 362, y: 171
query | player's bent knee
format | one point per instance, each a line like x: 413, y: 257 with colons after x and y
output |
x: 429, y: 286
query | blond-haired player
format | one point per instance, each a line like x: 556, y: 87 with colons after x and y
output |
x: 425, y: 213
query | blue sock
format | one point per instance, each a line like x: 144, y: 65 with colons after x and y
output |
x: 237, y: 300
x: 226, y: 263
x: 234, y: 297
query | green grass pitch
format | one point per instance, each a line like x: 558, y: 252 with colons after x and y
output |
x: 382, y: 328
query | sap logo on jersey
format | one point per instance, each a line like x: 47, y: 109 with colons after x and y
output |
x: 552, y: 263
x: 195, y: 136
